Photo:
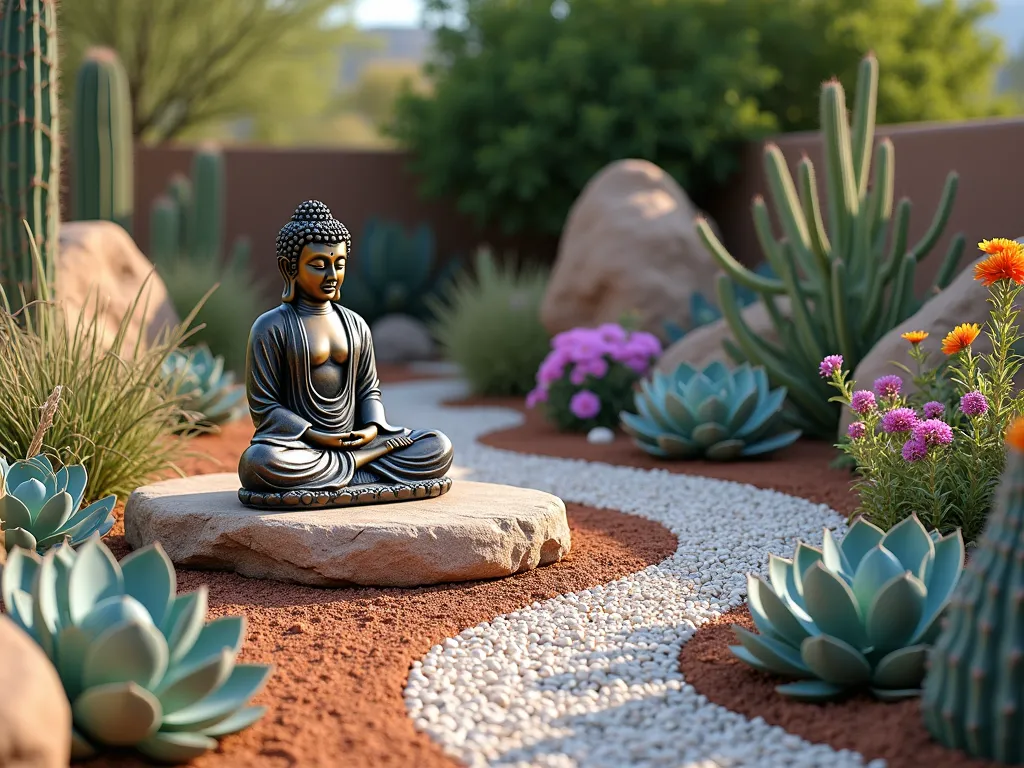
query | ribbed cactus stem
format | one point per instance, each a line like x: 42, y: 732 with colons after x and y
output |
x: 164, y: 231
x: 29, y: 139
x: 179, y: 189
x: 102, y: 147
x: 208, y: 205
x: 974, y: 692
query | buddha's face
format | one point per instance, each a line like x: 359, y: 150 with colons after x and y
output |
x: 321, y: 271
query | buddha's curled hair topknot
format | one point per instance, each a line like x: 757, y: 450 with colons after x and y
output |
x: 312, y: 222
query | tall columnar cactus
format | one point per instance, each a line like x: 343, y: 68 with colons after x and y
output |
x: 208, y: 208
x: 29, y: 139
x: 847, y: 285
x: 973, y: 692
x: 102, y: 146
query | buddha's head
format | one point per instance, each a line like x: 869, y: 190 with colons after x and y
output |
x: 312, y: 250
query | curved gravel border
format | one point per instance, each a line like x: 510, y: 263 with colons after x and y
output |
x: 592, y: 679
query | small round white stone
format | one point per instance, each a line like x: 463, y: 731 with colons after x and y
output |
x: 600, y: 436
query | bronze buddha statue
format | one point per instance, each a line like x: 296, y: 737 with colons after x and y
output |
x: 322, y: 438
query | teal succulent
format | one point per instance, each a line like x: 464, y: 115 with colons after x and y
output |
x: 206, y: 388
x: 137, y: 663
x: 40, y: 506
x: 714, y: 414
x: 862, y: 613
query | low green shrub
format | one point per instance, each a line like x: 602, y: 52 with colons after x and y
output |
x: 488, y: 323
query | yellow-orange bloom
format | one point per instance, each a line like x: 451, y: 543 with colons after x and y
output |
x: 915, y: 337
x: 1015, y: 434
x: 1005, y: 262
x: 960, y: 338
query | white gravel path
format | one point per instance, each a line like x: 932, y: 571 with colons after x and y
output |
x: 591, y: 679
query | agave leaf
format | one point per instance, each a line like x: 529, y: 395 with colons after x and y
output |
x: 683, y: 418
x: 81, y: 749
x: 133, y: 652
x: 783, y: 579
x: 175, y: 748
x: 242, y: 719
x: 771, y: 615
x: 95, y: 577
x: 184, y: 686
x: 700, y: 388
x: 677, y: 447
x: 725, y: 450
x: 804, y: 558
x: 902, y: 669
x: 859, y: 540
x: 766, y: 409
x: 53, y: 515
x: 23, y: 471
x: 909, y: 541
x: 777, y: 656
x: 225, y: 632
x: 89, y: 521
x: 651, y: 408
x: 46, y: 613
x: 707, y: 434
x: 118, y: 714
x: 244, y: 682
x: 77, y: 479
x: 185, y: 621
x: 811, y: 690
x: 19, y: 537
x: 33, y: 494
x: 713, y: 410
x: 14, y: 514
x: 771, y: 444
x: 833, y: 557
x: 149, y: 577
x: 833, y: 607
x: 895, y: 613
x: 834, y: 660
x: 943, y: 576
x: 876, y: 569
x: 717, y: 371
x: 639, y: 428
x: 742, y: 408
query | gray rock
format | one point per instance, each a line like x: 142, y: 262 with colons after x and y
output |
x: 35, y: 717
x: 475, y: 531
x: 401, y: 339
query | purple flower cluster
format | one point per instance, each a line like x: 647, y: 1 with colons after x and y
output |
x: 863, y: 401
x: 889, y: 386
x: 899, y: 420
x: 973, y: 403
x: 585, y: 353
x: 856, y: 430
x: 830, y: 366
x: 933, y: 409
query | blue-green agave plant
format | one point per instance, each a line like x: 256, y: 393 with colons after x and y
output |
x: 39, y: 507
x: 862, y: 613
x: 715, y: 414
x: 208, y: 390
x: 137, y: 661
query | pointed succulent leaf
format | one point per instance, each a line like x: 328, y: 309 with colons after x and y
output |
x: 19, y: 537
x: 77, y: 479
x: 42, y: 461
x: 942, y: 578
x: 31, y: 493
x: 133, y: 652
x: 804, y: 558
x: 860, y: 539
x: 811, y: 690
x: 118, y: 715
x: 766, y: 410
x: 118, y: 609
x: 699, y: 388
x: 717, y: 371
x: 240, y: 720
x: 713, y: 409
x: 909, y: 541
x: 782, y: 573
x: 640, y: 428
x: 18, y: 574
x: 184, y: 686
x: 742, y: 409
x: 23, y: 471
x: 750, y: 659
x: 185, y: 621
x: 46, y: 615
x: 833, y: 607
x: 902, y: 669
x: 175, y: 748
x: 81, y: 749
x: 877, y: 568
x: 895, y: 613
x: 707, y: 434
x: 149, y: 577
x: 244, y: 682
x: 832, y: 555
x: 54, y: 513
x: 684, y: 419
x: 779, y: 657
x: 14, y: 514
x: 225, y: 632
x: 95, y: 577
x: 72, y: 647
x: 835, y: 661
x: 677, y: 447
x: 725, y: 450
x: 96, y: 519
x: 771, y: 615
x: 772, y: 444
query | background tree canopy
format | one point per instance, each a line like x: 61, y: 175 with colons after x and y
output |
x: 529, y: 99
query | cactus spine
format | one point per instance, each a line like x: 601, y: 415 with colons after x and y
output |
x: 973, y: 695
x: 102, y: 146
x: 847, y: 286
x: 29, y: 140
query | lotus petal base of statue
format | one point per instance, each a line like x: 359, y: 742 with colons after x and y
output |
x: 353, y: 496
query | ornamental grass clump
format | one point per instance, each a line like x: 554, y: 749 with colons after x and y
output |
x: 930, y: 454
x: 588, y: 377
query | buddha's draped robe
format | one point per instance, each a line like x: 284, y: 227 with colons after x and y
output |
x: 284, y: 404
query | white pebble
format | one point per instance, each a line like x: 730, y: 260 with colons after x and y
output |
x: 600, y: 436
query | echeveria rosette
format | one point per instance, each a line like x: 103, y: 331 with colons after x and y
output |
x: 40, y: 506
x: 206, y: 388
x: 137, y: 661
x: 860, y: 613
x: 715, y: 413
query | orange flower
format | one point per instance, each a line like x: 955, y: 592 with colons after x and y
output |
x: 960, y: 338
x: 915, y: 337
x: 1005, y: 262
x: 1015, y: 434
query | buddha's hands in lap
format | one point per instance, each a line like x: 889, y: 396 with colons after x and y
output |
x: 344, y: 441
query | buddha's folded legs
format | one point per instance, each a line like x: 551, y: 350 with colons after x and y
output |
x: 269, y: 468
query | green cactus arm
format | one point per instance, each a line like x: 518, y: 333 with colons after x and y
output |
x: 179, y: 189
x: 931, y: 237
x: 812, y: 212
x: 783, y: 192
x: 898, y: 247
x: 733, y: 268
x: 208, y: 206
x: 842, y: 192
x: 950, y: 263
x: 164, y: 231
x: 875, y: 218
x: 840, y: 312
x: 884, y: 186
x: 864, y: 104
x: 806, y: 333
x: 771, y: 247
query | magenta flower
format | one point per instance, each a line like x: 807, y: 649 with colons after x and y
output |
x: 553, y: 367
x: 933, y: 409
x: 888, y: 386
x: 973, y: 403
x: 856, y: 430
x: 569, y: 339
x: 914, y: 449
x: 589, y: 348
x: 643, y: 343
x: 933, y: 432
x: 536, y: 396
x: 899, y: 420
x: 830, y: 366
x: 863, y: 401
x: 597, y: 368
x: 612, y: 332
x: 585, y: 404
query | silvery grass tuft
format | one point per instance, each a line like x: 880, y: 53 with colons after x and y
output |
x: 938, y: 460
x: 116, y: 415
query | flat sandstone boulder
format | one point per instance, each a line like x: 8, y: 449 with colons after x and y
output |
x: 475, y: 531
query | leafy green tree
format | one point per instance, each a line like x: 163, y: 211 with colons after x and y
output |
x: 196, y: 63
x: 528, y: 104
